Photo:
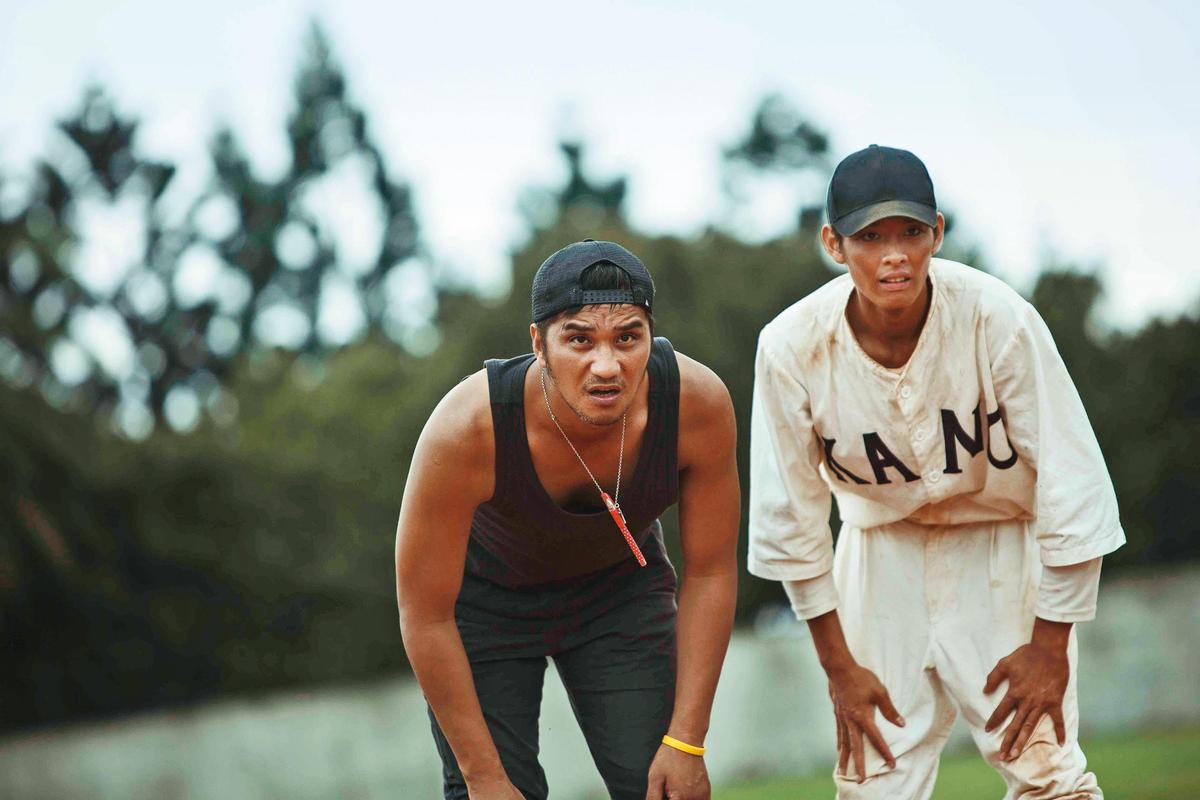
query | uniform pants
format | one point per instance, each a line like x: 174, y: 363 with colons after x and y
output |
x: 612, y: 638
x: 930, y: 610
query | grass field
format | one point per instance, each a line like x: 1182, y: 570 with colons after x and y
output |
x: 1148, y: 766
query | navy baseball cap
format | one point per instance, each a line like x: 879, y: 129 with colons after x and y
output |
x: 556, y: 285
x: 879, y: 182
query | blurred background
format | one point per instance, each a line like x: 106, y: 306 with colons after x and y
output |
x: 246, y: 247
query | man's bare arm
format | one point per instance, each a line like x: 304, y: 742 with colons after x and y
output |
x: 709, y: 514
x: 451, y: 474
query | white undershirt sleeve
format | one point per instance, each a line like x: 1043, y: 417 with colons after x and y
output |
x: 1068, y: 594
x: 812, y: 597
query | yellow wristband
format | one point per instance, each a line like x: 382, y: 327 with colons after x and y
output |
x: 684, y: 747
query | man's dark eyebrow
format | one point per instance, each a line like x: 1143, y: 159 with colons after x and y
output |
x: 577, y: 325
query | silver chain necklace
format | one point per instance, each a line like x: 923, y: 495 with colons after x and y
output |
x: 611, y: 503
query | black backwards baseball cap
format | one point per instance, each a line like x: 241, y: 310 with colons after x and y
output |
x: 556, y: 285
x: 879, y: 182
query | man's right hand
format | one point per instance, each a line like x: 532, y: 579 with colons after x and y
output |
x: 856, y: 692
x: 499, y: 788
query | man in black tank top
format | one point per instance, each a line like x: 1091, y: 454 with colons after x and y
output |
x: 529, y: 531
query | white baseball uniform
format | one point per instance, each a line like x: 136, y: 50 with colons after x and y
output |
x: 958, y: 478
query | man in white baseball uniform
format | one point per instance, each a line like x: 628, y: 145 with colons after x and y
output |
x: 930, y: 400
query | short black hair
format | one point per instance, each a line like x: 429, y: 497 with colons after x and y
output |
x: 601, y: 276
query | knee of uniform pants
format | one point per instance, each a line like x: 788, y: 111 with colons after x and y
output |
x: 916, y: 692
x: 913, y: 777
x: 1048, y: 772
x: 1045, y: 769
x: 929, y: 717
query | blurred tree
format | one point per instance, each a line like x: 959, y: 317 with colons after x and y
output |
x: 780, y: 139
x: 151, y: 325
x: 780, y: 142
x: 542, y: 207
x: 286, y: 245
x: 55, y: 293
x: 1066, y: 300
x: 579, y: 191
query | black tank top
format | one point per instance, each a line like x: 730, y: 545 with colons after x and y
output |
x: 521, y: 537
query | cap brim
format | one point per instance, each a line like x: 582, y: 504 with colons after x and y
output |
x: 855, y: 221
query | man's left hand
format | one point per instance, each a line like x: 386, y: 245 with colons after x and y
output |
x: 1037, y: 675
x: 677, y: 776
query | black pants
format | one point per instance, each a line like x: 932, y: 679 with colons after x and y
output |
x: 611, y: 637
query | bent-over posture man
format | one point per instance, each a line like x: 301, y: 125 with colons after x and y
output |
x: 930, y: 400
x: 529, y: 529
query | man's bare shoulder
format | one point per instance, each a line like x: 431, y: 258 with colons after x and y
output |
x: 466, y: 407
x: 459, y: 433
x: 705, y: 407
x: 699, y: 386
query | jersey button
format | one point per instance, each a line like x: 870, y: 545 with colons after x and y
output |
x: 905, y: 391
x: 920, y: 434
x: 935, y: 476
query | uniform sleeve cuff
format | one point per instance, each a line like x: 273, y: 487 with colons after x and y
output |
x: 1050, y: 615
x: 812, y: 597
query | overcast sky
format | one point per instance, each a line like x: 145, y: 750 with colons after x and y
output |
x: 1065, y: 127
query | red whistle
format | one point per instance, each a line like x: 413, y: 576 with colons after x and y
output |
x: 619, y: 518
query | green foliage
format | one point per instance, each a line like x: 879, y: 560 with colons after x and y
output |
x: 230, y: 560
